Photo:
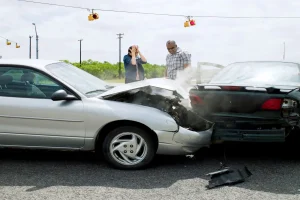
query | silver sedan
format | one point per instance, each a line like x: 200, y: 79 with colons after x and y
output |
x: 55, y: 105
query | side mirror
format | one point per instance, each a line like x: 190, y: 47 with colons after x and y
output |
x: 61, y: 95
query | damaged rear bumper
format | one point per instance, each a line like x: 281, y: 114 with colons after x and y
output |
x: 183, y: 142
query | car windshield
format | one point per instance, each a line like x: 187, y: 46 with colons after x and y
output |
x: 81, y: 80
x: 259, y: 73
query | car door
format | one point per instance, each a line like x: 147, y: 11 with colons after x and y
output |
x: 28, y: 116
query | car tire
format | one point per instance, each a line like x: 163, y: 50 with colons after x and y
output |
x: 128, y: 147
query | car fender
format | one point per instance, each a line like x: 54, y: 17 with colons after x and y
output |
x: 100, y: 112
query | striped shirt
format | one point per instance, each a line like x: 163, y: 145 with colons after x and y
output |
x: 176, y: 62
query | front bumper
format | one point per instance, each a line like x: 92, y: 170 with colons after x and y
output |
x: 183, y: 142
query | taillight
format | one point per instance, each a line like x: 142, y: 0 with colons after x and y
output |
x: 196, y: 100
x: 231, y: 88
x: 272, y: 104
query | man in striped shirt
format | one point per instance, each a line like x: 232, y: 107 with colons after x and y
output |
x: 176, y: 60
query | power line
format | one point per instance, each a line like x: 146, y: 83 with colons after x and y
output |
x: 8, y: 39
x: 164, y: 14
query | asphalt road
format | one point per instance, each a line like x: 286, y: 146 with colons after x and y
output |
x: 52, y: 175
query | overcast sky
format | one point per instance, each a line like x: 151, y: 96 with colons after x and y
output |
x: 221, y: 41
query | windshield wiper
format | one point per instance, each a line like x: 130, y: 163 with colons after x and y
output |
x: 98, y: 90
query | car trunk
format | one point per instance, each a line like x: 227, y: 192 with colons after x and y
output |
x: 235, y: 99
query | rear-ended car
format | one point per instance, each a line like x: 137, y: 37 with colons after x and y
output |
x: 251, y: 101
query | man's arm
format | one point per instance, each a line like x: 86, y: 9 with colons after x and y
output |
x: 186, y: 59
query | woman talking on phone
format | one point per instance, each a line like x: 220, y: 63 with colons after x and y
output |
x: 133, y: 63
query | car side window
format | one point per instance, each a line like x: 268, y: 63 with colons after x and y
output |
x: 26, y: 83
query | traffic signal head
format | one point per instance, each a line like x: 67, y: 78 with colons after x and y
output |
x: 186, y: 24
x: 17, y: 46
x: 192, y: 22
x: 8, y: 42
x: 93, y: 16
x: 90, y: 18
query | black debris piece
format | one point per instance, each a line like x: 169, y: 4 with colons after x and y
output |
x: 228, y: 176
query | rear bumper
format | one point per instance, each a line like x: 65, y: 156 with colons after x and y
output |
x: 183, y: 142
x: 263, y: 135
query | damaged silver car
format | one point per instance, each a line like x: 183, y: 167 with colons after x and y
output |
x: 55, y: 105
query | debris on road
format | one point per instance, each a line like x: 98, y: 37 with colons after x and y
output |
x: 228, y: 176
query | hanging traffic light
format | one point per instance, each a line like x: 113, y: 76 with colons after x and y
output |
x: 93, y: 16
x: 17, y: 46
x: 8, y: 42
x: 189, y: 22
x: 192, y: 22
x: 186, y: 24
x: 90, y: 18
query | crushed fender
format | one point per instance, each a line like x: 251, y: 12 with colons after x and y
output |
x: 228, y: 176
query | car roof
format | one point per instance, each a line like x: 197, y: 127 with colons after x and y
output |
x: 36, y: 63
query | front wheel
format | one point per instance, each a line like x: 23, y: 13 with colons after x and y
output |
x: 128, y: 147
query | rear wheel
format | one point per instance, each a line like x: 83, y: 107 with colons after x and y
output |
x: 128, y: 147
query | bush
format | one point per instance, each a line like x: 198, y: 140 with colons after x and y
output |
x: 107, y: 71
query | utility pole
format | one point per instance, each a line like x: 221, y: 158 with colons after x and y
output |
x: 120, y: 37
x: 284, y: 51
x: 30, y: 46
x: 80, y: 50
x: 37, y: 42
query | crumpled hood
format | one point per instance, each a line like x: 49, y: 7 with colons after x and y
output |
x: 165, y: 95
x: 175, y: 87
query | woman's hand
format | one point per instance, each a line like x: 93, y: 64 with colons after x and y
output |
x: 133, y: 50
x: 137, y: 49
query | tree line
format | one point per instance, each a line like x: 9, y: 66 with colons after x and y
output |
x: 106, y: 71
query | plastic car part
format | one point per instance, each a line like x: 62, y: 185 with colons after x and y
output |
x: 228, y: 176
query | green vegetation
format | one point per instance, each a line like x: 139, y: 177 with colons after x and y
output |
x: 108, y: 71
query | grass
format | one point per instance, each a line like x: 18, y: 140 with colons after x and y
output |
x: 116, y: 80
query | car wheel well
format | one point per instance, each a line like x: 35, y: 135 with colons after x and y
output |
x: 113, y: 125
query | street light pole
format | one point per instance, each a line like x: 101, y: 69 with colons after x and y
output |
x: 30, y: 46
x: 37, y: 42
x: 80, y: 50
x: 120, y: 37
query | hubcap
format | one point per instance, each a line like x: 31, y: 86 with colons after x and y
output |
x: 128, y: 148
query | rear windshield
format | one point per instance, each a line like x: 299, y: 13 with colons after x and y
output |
x: 259, y: 73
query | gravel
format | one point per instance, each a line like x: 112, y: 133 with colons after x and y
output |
x: 66, y: 175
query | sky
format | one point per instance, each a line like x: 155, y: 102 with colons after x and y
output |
x: 221, y: 41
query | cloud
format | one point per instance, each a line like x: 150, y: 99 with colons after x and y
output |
x: 220, y: 41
